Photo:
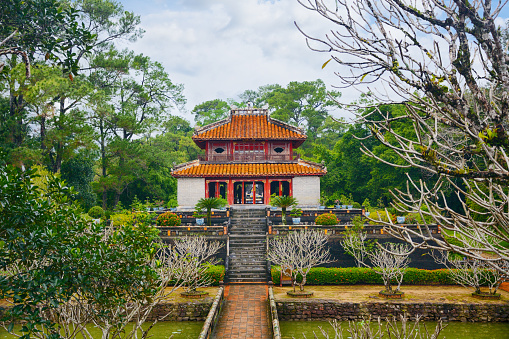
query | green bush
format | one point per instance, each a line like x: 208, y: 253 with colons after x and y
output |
x: 356, y: 205
x: 326, y: 219
x: 168, y: 219
x: 96, y: 212
x: 216, y: 273
x: 362, y: 275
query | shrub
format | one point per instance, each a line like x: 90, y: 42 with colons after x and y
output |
x: 356, y: 205
x: 216, y: 274
x: 96, y: 212
x: 363, y: 275
x: 168, y: 219
x: 326, y: 219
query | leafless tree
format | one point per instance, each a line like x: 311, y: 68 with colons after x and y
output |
x: 447, y: 62
x: 471, y: 273
x: 199, y: 253
x: 389, y: 260
x: 364, y: 330
x: 299, y: 252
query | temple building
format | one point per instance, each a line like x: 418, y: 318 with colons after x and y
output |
x: 248, y: 157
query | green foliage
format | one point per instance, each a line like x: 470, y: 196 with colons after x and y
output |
x: 78, y: 172
x: 208, y: 204
x: 216, y: 274
x: 326, y: 219
x: 168, y: 219
x: 96, y: 212
x: 53, y: 247
x: 210, y: 111
x: 296, y: 212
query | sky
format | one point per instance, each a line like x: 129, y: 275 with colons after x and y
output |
x: 219, y: 48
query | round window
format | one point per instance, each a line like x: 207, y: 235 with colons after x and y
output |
x: 219, y: 150
x: 279, y: 149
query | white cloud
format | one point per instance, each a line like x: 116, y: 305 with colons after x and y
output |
x: 219, y: 49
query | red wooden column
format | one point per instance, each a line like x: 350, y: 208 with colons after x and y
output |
x: 266, y: 198
x: 230, y: 192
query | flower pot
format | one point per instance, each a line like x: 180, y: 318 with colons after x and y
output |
x: 296, y: 221
x: 321, y: 207
x: 400, y: 220
x: 366, y: 214
x: 349, y: 207
x: 200, y: 221
x: 338, y: 206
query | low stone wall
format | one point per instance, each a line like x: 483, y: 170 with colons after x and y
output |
x: 317, y: 309
x: 189, y: 311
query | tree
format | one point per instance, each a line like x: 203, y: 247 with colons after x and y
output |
x: 210, y: 111
x: 299, y: 251
x: 455, y: 93
x: 389, y: 260
x: 61, y: 272
x: 208, y: 204
x: 135, y: 103
x: 200, y: 254
x: 472, y: 273
x: 284, y: 202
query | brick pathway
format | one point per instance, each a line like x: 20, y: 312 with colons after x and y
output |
x: 245, y: 314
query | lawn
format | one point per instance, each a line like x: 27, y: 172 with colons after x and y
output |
x: 413, y: 293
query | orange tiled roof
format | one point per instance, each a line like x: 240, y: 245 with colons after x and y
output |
x: 250, y: 126
x: 196, y: 169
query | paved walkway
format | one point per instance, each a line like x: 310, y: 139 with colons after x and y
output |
x: 245, y: 314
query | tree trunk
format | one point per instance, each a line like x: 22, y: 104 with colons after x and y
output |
x: 283, y: 215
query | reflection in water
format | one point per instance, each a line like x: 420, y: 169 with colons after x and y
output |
x: 454, y: 330
x: 161, y: 330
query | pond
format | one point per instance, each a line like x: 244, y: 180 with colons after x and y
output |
x: 454, y: 330
x: 161, y: 330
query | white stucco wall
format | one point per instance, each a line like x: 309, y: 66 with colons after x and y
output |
x: 189, y: 191
x: 307, y: 190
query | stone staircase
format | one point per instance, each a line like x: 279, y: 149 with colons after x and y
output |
x: 248, y: 255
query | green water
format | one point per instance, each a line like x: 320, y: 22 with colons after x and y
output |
x: 454, y: 330
x: 161, y: 330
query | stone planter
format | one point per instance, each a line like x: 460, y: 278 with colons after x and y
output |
x: 486, y: 296
x: 300, y: 294
x: 194, y: 294
x: 391, y: 295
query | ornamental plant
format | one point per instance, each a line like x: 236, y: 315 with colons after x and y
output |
x: 96, y: 212
x: 326, y: 219
x: 168, y: 219
x: 284, y: 202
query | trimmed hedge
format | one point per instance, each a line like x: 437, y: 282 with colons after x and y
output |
x: 362, y: 275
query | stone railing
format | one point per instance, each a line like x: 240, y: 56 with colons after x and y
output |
x: 276, y: 331
x: 213, y: 316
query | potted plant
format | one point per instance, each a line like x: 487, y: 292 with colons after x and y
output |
x: 284, y: 202
x: 200, y: 217
x: 295, y: 213
x: 208, y: 204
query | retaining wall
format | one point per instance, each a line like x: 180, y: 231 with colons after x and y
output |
x: 298, y: 310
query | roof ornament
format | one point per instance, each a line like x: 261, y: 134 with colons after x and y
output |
x: 249, y: 105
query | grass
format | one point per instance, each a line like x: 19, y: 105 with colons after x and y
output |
x: 413, y: 293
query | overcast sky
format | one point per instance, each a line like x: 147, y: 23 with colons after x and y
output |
x: 219, y: 48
